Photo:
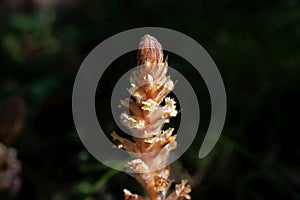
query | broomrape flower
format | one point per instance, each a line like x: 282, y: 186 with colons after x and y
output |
x: 150, y: 145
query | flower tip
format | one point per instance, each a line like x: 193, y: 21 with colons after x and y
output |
x: 150, y: 50
x: 148, y: 41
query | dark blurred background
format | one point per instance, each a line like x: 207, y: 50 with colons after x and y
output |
x: 255, y: 45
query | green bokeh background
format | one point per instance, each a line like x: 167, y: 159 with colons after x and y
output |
x: 255, y: 45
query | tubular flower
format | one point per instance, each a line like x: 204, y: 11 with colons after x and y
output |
x: 150, y: 145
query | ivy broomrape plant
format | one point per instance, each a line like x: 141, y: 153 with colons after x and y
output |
x: 149, y: 145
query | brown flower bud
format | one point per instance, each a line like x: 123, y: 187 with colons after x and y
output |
x: 150, y: 50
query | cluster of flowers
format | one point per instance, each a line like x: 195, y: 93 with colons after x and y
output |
x: 149, y: 109
x: 10, y: 168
